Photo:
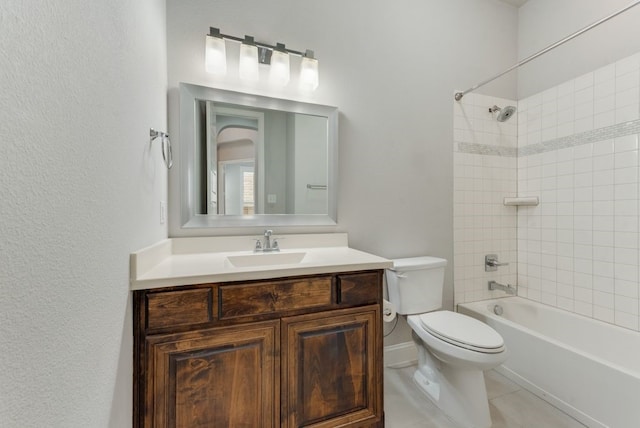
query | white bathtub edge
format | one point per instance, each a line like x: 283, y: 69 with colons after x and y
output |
x: 550, y: 398
x: 400, y: 355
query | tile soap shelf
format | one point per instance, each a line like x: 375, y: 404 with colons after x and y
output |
x: 521, y: 201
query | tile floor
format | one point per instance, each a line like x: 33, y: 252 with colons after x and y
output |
x: 511, y: 406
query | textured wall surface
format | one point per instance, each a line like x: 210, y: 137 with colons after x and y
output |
x: 80, y: 85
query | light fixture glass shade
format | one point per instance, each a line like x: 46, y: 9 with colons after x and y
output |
x: 279, y: 74
x: 215, y: 56
x: 309, y: 73
x: 248, y: 67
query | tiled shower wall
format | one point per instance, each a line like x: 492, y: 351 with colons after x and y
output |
x: 575, y: 146
x: 485, y: 170
x: 578, y: 151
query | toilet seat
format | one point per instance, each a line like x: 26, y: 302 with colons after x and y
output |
x: 462, y: 331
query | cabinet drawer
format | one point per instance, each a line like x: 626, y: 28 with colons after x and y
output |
x: 274, y: 296
x: 172, y: 308
x: 359, y: 288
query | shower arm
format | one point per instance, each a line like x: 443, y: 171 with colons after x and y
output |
x: 458, y: 96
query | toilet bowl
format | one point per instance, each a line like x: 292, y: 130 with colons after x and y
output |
x: 450, y: 369
x: 453, y: 349
x: 459, y: 340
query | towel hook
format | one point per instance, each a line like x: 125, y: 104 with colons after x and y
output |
x: 167, y: 153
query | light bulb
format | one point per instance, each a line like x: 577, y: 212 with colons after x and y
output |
x: 248, y: 67
x: 215, y: 56
x: 279, y: 73
x: 309, y: 72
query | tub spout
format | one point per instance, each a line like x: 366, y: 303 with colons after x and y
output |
x: 506, y: 288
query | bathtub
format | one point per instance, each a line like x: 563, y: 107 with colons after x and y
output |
x: 587, y: 368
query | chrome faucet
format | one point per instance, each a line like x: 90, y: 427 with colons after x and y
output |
x: 268, y: 245
x: 491, y: 263
x: 506, y: 288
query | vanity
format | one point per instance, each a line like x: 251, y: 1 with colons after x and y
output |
x: 227, y: 337
x: 230, y: 333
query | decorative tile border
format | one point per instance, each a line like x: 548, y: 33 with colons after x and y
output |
x: 486, y: 149
x: 600, y: 134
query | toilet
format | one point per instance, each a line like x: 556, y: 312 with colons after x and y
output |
x: 453, y: 349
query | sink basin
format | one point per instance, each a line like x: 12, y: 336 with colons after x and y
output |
x: 266, y: 259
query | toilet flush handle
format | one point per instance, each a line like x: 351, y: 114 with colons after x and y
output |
x: 401, y: 275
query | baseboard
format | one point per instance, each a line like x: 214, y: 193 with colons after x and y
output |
x: 400, y: 355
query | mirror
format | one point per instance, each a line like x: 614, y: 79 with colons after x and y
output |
x: 249, y: 160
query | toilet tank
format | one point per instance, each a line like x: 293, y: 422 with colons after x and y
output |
x: 415, y: 284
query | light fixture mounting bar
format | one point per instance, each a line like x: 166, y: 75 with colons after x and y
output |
x: 215, y: 32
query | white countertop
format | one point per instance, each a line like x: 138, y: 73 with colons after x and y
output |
x: 185, y: 261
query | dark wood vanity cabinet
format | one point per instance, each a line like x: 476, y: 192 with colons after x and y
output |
x: 213, y: 377
x: 329, y: 372
x: 291, y: 352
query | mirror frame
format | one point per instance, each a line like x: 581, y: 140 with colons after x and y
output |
x: 189, y: 219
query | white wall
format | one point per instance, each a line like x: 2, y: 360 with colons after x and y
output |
x: 275, y: 161
x: 543, y: 22
x: 391, y: 68
x: 80, y: 85
x: 310, y: 153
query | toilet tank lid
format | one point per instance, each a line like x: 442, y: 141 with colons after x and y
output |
x: 414, y: 263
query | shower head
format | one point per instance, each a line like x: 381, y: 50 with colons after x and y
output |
x: 503, y: 113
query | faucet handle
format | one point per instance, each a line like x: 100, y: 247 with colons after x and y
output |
x: 491, y: 263
x: 258, y: 245
x: 274, y: 244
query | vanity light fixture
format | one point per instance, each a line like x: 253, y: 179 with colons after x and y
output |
x: 279, y: 73
x: 215, y: 53
x: 309, y: 72
x: 253, y: 53
x: 248, y: 66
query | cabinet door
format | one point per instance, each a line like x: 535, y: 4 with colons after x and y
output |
x: 219, y: 377
x: 332, y: 369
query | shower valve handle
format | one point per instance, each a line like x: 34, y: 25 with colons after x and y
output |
x: 491, y: 263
